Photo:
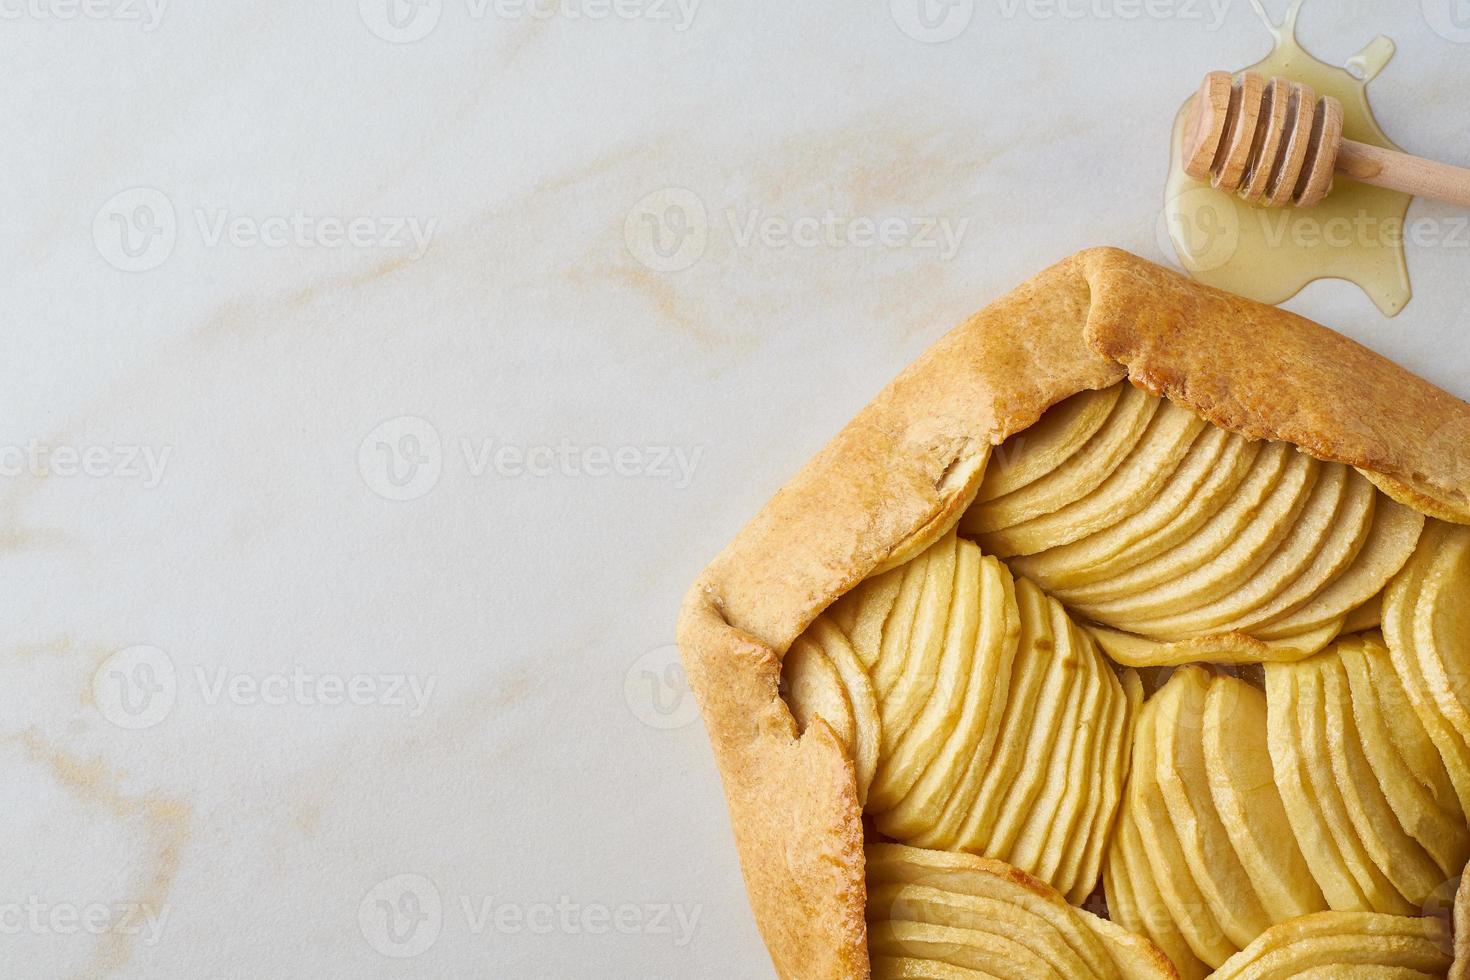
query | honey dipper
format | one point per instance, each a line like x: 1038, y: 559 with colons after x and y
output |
x: 1275, y: 142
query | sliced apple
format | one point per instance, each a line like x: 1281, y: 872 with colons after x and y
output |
x: 1059, y: 694
x: 1272, y: 466
x: 1074, y: 477
x: 1184, y: 784
x: 1244, y: 795
x: 860, y: 697
x: 1345, y: 538
x: 964, y: 904
x: 814, y: 690
x: 1291, y: 764
x: 1442, y: 625
x: 1137, y: 958
x: 907, y: 664
x: 988, y: 635
x: 1368, y: 616
x: 1136, y: 481
x: 939, y: 906
x: 1116, y: 753
x: 1136, y: 904
x: 1391, y: 540
x: 1038, y: 848
x: 998, y: 955
x: 906, y: 968
x: 1226, y: 648
x: 1075, y: 823
x: 1195, y: 914
x: 1308, y: 536
x: 1061, y: 431
x: 1344, y: 944
x: 1174, y: 586
x: 1403, y: 757
x: 1217, y: 466
x: 972, y: 877
x: 938, y: 676
x: 1401, y: 609
x: 1402, y: 860
x: 969, y: 821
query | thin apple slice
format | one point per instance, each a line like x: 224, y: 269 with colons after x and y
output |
x: 1243, y: 792
x: 938, y: 906
x: 969, y: 893
x: 984, y: 689
x: 860, y: 697
x: 1403, y: 756
x: 1074, y: 477
x: 907, y: 668
x: 1273, y: 465
x: 1186, y: 903
x: 885, y: 649
x: 1333, y: 811
x: 1391, y: 541
x: 1216, y: 470
x: 1368, y: 616
x: 1184, y: 784
x: 1187, y: 586
x: 1226, y: 648
x: 1075, y: 827
x: 998, y: 955
x: 1289, y: 765
x: 1034, y: 452
x: 865, y: 610
x: 1442, y: 625
x: 907, y: 968
x: 1401, y: 858
x: 1345, y: 943
x: 1308, y: 536
x: 1037, y: 849
x: 1114, y: 768
x: 1128, y: 489
x: 814, y: 690
x: 981, y: 877
x: 1136, y: 904
x: 949, y: 673
x: 1349, y: 532
x: 1059, y: 694
x: 968, y: 822
x: 1400, y: 608
x: 1136, y: 957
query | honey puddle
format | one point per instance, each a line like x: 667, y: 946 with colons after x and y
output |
x: 1269, y: 254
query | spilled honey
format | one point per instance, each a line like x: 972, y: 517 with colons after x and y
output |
x: 1269, y: 254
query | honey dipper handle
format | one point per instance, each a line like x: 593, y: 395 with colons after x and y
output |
x: 1402, y: 172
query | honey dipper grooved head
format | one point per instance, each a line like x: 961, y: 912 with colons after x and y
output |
x: 1273, y: 142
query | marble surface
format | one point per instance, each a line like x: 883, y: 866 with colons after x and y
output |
x: 380, y: 376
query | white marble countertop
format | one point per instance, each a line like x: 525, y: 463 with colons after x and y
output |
x: 358, y: 441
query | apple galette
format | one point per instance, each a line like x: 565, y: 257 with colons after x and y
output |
x: 1125, y: 635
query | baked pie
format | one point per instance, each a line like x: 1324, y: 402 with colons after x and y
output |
x: 1126, y: 634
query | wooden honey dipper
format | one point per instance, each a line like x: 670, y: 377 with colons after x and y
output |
x: 1275, y: 142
